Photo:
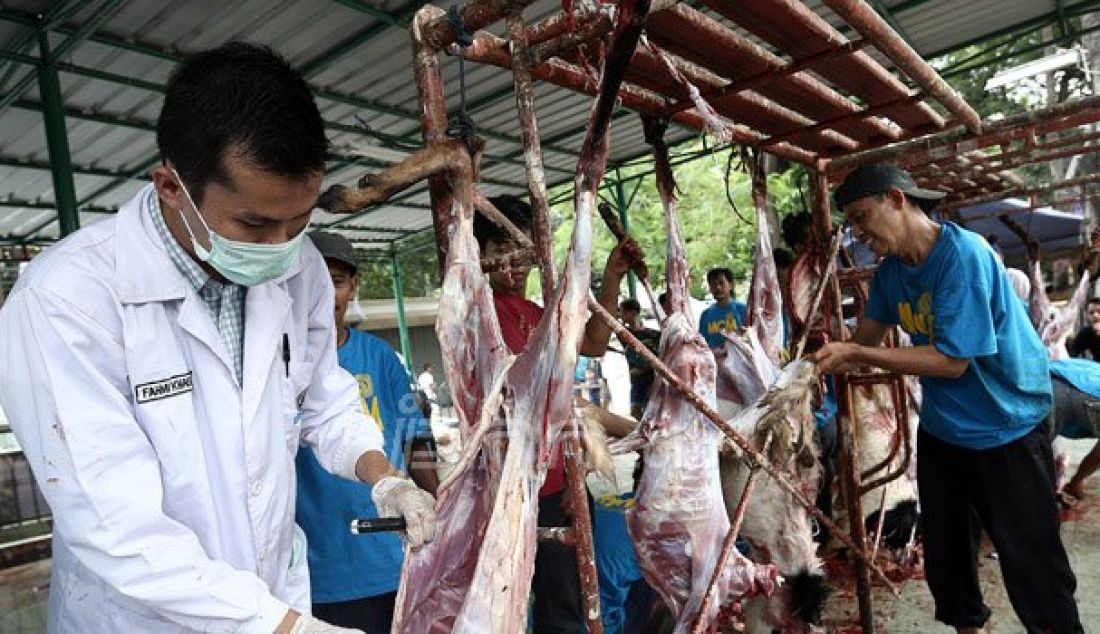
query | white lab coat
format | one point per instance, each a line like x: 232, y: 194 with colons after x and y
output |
x: 173, y: 508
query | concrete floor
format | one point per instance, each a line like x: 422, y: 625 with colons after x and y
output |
x: 23, y: 589
x: 912, y: 612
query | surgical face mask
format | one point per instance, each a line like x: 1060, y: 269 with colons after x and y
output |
x: 244, y: 263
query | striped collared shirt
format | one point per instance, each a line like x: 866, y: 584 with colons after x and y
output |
x: 225, y: 301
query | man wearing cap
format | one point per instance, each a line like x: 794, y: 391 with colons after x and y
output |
x: 983, y: 451
x: 354, y: 578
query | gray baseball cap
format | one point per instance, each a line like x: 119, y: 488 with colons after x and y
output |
x: 334, y: 246
x: 879, y: 178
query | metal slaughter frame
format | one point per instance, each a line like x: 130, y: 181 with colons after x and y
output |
x: 857, y: 112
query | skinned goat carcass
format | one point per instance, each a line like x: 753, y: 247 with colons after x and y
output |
x: 779, y: 529
x: 677, y: 523
x: 475, y: 577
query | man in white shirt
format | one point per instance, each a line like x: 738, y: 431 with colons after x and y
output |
x: 160, y: 369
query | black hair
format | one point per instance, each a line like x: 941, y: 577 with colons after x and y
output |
x: 1093, y: 300
x: 795, y: 229
x: 630, y: 304
x: 719, y: 272
x: 242, y: 98
x: 783, y: 257
x: 513, y: 209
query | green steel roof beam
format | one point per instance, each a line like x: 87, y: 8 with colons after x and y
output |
x: 27, y: 40
x: 16, y: 203
x: 130, y: 174
x: 958, y: 69
x: 11, y: 161
x: 1063, y: 22
x: 104, y: 11
x: 352, y: 100
x: 1021, y: 28
x: 322, y: 61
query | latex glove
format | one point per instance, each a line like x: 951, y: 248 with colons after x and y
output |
x: 309, y: 625
x: 399, y: 496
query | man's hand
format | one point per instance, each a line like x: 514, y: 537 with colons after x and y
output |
x: 624, y: 257
x: 294, y: 623
x: 397, y: 496
x: 836, y: 357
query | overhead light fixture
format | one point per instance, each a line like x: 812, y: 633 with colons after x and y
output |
x: 1060, y: 59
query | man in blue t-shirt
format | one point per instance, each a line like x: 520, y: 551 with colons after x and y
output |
x: 1076, y: 413
x: 726, y: 314
x: 983, y: 451
x: 354, y: 578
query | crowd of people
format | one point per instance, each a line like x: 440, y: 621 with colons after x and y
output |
x: 204, y: 424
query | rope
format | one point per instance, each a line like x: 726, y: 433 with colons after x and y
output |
x: 460, y: 126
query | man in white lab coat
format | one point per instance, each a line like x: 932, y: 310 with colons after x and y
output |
x: 160, y: 369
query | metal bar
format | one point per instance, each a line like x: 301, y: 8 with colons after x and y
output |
x: 850, y: 492
x: 582, y: 526
x: 1027, y: 25
x: 433, y: 109
x: 854, y: 116
x: 700, y: 625
x: 402, y: 324
x: 57, y: 139
x: 773, y: 74
x: 475, y: 14
x: 627, y: 338
x: 959, y: 139
x: 490, y: 49
x: 122, y: 178
x: 532, y: 152
x: 872, y: 27
x: 624, y: 218
x: 100, y: 15
x: 339, y: 50
x: 1088, y: 179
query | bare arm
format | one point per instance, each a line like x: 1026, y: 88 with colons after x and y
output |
x: 596, y: 332
x: 917, y: 360
x: 870, y: 332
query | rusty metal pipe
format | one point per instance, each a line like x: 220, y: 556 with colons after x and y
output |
x: 433, y: 117
x: 700, y: 625
x: 437, y: 32
x: 532, y: 153
x: 863, y: 18
x: 710, y: 30
x: 740, y: 441
x: 490, y: 49
x: 832, y: 123
x: 778, y: 72
x: 850, y: 491
x: 952, y: 205
x: 959, y: 139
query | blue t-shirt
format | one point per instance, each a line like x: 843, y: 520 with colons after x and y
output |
x: 616, y: 561
x: 1084, y: 375
x: 343, y: 566
x: 716, y: 319
x: 959, y: 301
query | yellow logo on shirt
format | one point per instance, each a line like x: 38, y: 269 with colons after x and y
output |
x: 368, y: 399
x: 921, y: 323
x: 719, y: 326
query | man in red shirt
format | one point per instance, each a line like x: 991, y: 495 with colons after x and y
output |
x: 556, y: 584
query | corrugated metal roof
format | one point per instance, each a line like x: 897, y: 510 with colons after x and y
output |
x: 110, y: 124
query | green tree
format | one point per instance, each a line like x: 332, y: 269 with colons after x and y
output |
x: 715, y: 232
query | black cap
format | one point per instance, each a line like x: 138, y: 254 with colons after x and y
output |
x: 334, y: 246
x: 879, y: 178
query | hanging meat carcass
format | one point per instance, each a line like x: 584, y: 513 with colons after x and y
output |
x: 677, y: 522
x: 476, y: 576
x: 778, y: 529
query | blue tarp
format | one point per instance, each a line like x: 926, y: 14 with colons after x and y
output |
x: 1055, y: 230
